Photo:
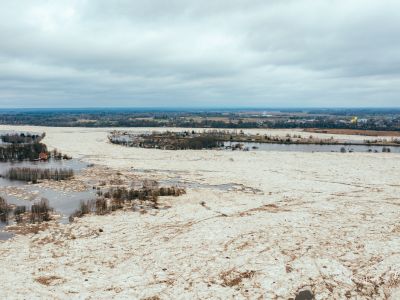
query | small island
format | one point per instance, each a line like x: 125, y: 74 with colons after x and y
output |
x: 26, y: 146
x: 225, y: 139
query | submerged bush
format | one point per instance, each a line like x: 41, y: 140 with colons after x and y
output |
x: 18, y: 213
x: 117, y: 204
x: 120, y: 197
x: 35, y: 174
x: 55, y: 154
x: 85, y: 208
x: 40, y: 211
x: 4, y: 210
x: 144, y: 193
x: 101, y: 206
x: 20, y: 210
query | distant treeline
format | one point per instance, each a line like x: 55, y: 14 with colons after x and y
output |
x: 35, y: 174
x: 21, y: 138
x: 21, y: 151
x: 329, y: 119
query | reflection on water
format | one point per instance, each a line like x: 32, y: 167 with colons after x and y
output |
x: 74, y: 164
x: 5, y: 235
x: 64, y: 203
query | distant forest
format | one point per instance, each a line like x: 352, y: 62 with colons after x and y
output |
x: 368, y: 119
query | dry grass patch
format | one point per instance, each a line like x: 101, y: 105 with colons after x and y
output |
x: 272, y: 208
x: 353, y: 132
x: 28, y: 228
x: 233, y: 277
x: 49, y: 280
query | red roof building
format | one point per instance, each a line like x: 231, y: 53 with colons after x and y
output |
x: 43, y: 156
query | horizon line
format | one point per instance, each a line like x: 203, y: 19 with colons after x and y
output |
x: 176, y: 108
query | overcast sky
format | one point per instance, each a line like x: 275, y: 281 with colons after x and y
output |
x: 184, y: 53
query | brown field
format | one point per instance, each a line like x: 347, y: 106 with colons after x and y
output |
x: 217, y: 119
x: 354, y: 132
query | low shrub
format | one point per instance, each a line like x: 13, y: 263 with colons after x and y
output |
x: 101, y: 206
x: 19, y: 211
x: 85, y: 208
x: 35, y: 174
x: 4, y: 210
x: 40, y: 211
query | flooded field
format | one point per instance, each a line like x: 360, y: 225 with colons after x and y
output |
x: 253, y: 224
x: 21, y: 193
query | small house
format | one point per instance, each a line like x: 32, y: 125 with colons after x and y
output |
x: 43, y: 156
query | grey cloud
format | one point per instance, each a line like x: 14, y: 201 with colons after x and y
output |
x: 199, y: 53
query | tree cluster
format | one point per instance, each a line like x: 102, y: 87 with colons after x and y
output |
x: 20, y: 152
x: 35, y: 174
